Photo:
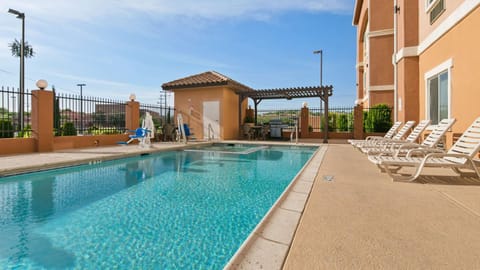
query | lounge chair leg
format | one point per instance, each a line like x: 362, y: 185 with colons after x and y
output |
x: 399, y: 177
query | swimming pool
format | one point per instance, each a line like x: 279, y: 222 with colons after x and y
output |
x: 168, y: 210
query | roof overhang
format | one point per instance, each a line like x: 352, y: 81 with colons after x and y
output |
x: 356, y: 11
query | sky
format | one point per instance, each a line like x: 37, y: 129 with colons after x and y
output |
x: 119, y: 47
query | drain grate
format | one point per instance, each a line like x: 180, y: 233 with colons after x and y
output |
x: 328, y: 178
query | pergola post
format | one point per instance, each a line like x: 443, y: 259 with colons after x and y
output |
x: 256, y: 102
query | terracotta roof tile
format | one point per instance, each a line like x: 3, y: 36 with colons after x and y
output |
x: 209, y: 78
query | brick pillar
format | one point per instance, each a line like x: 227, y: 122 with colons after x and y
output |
x: 42, y: 120
x: 132, y: 115
x: 358, y: 122
x: 304, y: 122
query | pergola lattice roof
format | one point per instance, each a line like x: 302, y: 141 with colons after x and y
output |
x: 287, y: 93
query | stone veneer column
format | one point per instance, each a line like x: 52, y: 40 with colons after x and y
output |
x: 132, y: 115
x: 42, y: 120
x: 304, y: 122
x: 358, y: 122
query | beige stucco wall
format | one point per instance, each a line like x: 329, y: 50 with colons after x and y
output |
x: 461, y: 44
x: 425, y: 28
x: 380, y: 14
x: 407, y: 24
x: 377, y: 97
x: 377, y: 64
x: 381, y: 67
x: 408, y: 105
x: 189, y: 102
x: 361, y: 67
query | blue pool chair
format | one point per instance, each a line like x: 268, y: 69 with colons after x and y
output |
x: 140, y: 134
x: 188, y: 132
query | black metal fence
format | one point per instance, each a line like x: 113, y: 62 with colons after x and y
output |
x: 377, y: 119
x: 340, y: 119
x: 161, y: 115
x: 10, y: 116
x: 287, y: 117
x: 74, y: 115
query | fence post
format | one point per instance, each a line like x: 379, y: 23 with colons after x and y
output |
x: 358, y: 122
x: 42, y: 120
x: 304, y: 113
x: 132, y: 115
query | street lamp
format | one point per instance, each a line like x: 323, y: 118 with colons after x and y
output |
x: 81, y: 105
x: 324, y: 98
x: 21, y: 16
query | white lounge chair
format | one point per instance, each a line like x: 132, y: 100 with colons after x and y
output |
x: 390, y: 133
x: 428, y: 145
x: 459, y: 156
x: 390, y: 145
x: 381, y: 141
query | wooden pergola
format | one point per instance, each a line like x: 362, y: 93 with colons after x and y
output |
x: 323, y: 92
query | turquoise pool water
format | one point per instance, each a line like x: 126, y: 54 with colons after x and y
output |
x: 171, y: 210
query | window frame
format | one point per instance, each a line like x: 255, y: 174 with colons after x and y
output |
x: 429, y: 4
x: 436, y: 72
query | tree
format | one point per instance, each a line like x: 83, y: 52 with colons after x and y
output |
x: 56, y: 113
x: 15, y: 47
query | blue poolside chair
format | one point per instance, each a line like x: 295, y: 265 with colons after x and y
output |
x: 140, y: 134
x: 188, y: 132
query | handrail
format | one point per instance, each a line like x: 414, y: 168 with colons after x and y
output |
x: 181, y: 129
x: 211, y: 132
x: 296, y: 134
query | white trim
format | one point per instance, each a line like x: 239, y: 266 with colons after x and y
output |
x: 381, y: 33
x: 359, y: 65
x: 445, y: 66
x: 428, y: 6
x: 406, y: 52
x: 365, y: 98
x: 386, y: 87
x: 438, y: 69
x: 461, y: 12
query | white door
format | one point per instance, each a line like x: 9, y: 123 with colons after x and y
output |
x: 211, y: 119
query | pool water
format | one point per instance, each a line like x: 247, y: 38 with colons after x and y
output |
x: 171, y: 210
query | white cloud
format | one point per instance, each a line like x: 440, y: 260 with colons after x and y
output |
x: 87, y: 10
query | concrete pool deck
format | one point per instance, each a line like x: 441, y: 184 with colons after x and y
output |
x: 363, y: 220
x: 360, y: 219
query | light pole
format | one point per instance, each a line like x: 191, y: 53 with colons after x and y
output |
x: 81, y: 105
x: 21, y: 101
x: 323, y: 98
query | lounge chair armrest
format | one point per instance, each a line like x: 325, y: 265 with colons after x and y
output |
x: 447, y: 155
x: 423, y: 151
x: 374, y: 138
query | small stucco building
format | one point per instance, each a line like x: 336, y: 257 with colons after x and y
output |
x: 210, y: 101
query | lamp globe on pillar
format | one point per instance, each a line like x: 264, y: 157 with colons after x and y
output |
x: 42, y: 84
x: 132, y: 97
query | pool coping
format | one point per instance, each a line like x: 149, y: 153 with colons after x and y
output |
x: 268, y: 244
x: 133, y: 151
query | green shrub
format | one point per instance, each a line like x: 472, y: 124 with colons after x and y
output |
x: 69, y: 129
x: 344, y: 121
x: 6, y: 129
x: 378, y: 118
x: 26, y: 132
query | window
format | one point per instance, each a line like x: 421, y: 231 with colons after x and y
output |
x: 435, y: 8
x: 438, y: 97
x: 438, y: 92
